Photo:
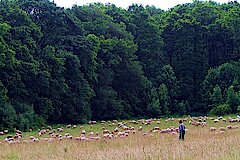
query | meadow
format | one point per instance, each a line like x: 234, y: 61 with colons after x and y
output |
x: 138, y: 144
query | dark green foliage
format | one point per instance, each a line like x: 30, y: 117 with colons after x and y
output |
x: 182, y: 106
x: 154, y: 107
x: 216, y: 96
x: 221, y: 109
x: 103, y: 62
x: 232, y: 99
x: 7, y: 112
x: 164, y: 99
x: 221, y: 86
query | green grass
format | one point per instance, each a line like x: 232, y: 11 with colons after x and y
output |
x: 200, y: 144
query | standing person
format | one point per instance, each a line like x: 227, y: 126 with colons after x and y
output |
x: 181, y: 130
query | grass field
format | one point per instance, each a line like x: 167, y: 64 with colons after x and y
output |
x: 200, y: 144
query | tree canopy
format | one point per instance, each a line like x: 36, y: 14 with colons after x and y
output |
x: 102, y: 62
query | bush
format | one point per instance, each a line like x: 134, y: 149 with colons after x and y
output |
x: 238, y: 109
x: 221, y: 109
x: 7, y: 117
x: 26, y: 117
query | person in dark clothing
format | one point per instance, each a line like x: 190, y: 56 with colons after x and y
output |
x: 181, y: 130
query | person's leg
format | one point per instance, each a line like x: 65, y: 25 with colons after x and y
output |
x: 180, y: 135
x: 183, y: 135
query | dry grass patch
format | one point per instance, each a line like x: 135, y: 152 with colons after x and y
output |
x: 200, y: 144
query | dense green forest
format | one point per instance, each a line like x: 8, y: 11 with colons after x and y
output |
x: 103, y: 62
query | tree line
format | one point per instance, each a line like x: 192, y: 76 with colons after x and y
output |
x: 103, y: 62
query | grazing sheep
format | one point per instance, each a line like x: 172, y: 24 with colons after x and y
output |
x: 115, y: 130
x: 204, y: 124
x: 233, y: 120
x: 109, y: 136
x: 125, y: 127
x: 212, y: 129
x: 234, y: 127
x: 215, y: 120
x: 68, y: 126
x: 49, y: 127
x: 90, y: 133
x: 131, y: 128
x: 18, y: 131
x: 156, y: 128
x: 222, y: 129
x: 155, y: 131
x: 60, y: 129
x: 1, y: 133
x: 134, y: 122
x: 184, y: 119
x: 127, y: 131
x: 115, y: 121
x: 92, y: 122
x: 41, y: 132
x: 95, y: 138
x: 78, y: 138
x: 54, y: 135
x: 17, y: 136
x: 219, y: 118
x: 106, y: 131
x: 51, y: 132
x: 198, y: 123
x: 140, y: 128
x: 83, y: 132
x: 165, y: 131
x: 67, y: 134
x: 74, y: 126
x: 120, y: 133
x: 148, y: 122
x: 174, y: 133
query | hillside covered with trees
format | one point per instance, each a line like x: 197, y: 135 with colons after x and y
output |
x: 102, y: 62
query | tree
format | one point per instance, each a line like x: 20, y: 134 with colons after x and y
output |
x: 232, y: 99
x: 154, y: 107
x: 7, y: 112
x: 216, y: 96
x: 146, y: 34
x: 221, y: 109
x: 164, y: 99
x: 167, y: 76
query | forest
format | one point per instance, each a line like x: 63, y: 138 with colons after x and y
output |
x: 102, y: 62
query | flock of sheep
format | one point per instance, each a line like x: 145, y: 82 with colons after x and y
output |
x: 120, y: 129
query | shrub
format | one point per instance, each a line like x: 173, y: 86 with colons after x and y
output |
x: 221, y: 109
